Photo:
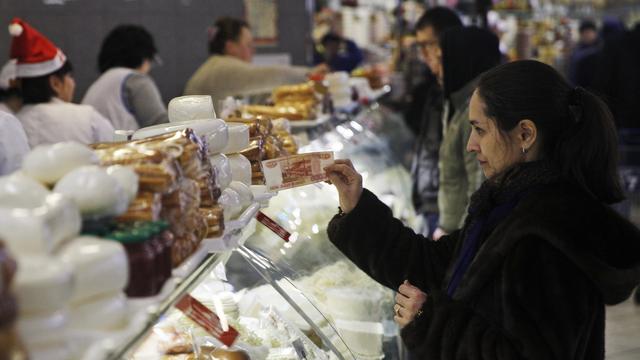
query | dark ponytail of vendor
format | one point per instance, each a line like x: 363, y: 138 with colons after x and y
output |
x: 576, y: 128
x: 225, y: 29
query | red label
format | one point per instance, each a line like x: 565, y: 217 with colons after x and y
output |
x: 206, y: 318
x: 273, y: 226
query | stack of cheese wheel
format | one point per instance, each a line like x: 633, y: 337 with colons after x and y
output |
x: 237, y: 195
x: 224, y: 156
x: 59, y: 273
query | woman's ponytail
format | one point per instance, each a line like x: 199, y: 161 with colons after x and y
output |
x: 576, y: 128
x: 588, y: 151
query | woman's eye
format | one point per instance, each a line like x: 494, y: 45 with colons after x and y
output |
x: 478, y: 130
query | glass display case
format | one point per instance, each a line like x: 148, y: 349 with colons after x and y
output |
x: 296, y: 299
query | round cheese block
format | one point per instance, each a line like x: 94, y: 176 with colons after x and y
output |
x: 213, y: 131
x: 100, y: 266
x: 20, y: 191
x: 222, y: 166
x: 107, y: 312
x: 191, y: 107
x: 43, y: 284
x: 127, y: 178
x: 44, y: 329
x: 93, y: 191
x: 238, y: 138
x: 244, y: 192
x: 240, y: 168
x: 49, y: 163
x: 40, y: 230
x: 230, y: 201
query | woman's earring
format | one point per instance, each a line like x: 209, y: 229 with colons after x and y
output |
x: 524, y: 151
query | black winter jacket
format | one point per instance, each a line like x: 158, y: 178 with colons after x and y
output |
x: 536, y: 289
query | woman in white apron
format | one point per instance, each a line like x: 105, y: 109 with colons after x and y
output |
x: 125, y: 93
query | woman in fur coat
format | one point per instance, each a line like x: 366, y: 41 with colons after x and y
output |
x: 540, y: 254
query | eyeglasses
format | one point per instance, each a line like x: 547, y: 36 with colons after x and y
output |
x: 430, y: 44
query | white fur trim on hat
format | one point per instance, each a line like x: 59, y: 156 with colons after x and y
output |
x: 41, y: 68
x: 15, y: 29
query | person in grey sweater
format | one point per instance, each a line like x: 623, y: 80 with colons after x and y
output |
x: 125, y: 93
x: 229, y: 71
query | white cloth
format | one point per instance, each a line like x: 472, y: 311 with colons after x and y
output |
x: 107, y: 96
x: 57, y: 121
x: 13, y: 143
x: 5, y: 108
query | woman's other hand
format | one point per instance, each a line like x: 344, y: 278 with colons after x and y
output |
x: 348, y: 181
x: 409, y: 301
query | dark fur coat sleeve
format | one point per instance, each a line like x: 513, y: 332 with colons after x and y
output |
x: 387, y: 250
x: 545, y: 309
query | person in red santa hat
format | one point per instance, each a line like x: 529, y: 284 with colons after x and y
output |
x: 47, y: 87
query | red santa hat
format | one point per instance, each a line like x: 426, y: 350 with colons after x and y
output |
x: 35, y: 54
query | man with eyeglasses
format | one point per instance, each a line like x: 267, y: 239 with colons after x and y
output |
x: 424, y: 169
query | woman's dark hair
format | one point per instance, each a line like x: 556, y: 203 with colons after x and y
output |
x: 126, y: 46
x: 225, y: 29
x: 440, y: 18
x: 576, y: 128
x: 36, y: 90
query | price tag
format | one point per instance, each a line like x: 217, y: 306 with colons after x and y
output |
x: 201, y: 315
x: 273, y: 226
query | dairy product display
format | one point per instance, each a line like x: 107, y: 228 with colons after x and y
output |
x: 214, y: 132
x: 94, y: 191
x: 191, y: 107
x: 244, y: 193
x: 43, y: 284
x: 100, y: 266
x: 127, y: 178
x: 20, y: 191
x: 238, y: 138
x: 240, y: 168
x: 107, y: 312
x: 222, y: 167
x: 49, y: 163
x: 42, y: 229
x: 363, y: 337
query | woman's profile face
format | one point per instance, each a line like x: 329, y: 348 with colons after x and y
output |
x: 495, y: 151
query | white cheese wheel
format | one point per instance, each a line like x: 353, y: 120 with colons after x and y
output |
x: 238, y: 138
x: 362, y: 337
x: 60, y: 351
x: 49, y: 163
x: 244, y: 192
x: 20, y: 191
x: 43, y: 284
x: 127, y: 178
x: 43, y: 330
x: 220, y: 163
x: 102, y: 313
x: 93, y: 191
x: 40, y: 230
x: 213, y: 131
x: 100, y: 266
x: 191, y: 107
x: 240, y: 168
x: 230, y: 201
